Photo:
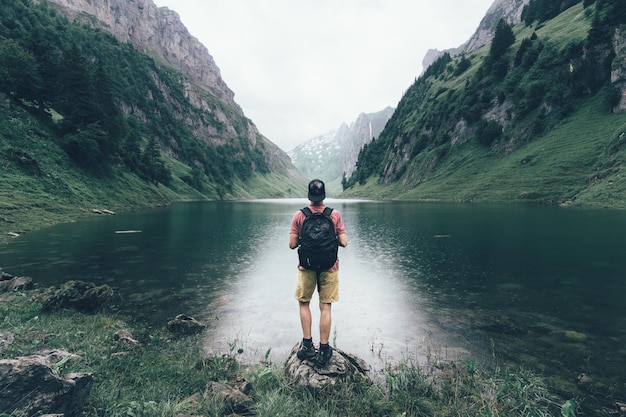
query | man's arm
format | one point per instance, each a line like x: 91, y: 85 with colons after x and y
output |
x: 343, y: 240
x: 293, y: 241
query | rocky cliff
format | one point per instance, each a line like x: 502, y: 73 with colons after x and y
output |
x: 509, y: 10
x: 351, y: 139
x: 154, y: 30
x: 618, y: 72
x: 333, y: 154
x: 159, y: 32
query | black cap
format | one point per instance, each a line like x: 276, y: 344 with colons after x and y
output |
x: 317, y: 191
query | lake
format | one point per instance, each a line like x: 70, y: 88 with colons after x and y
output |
x: 540, y: 287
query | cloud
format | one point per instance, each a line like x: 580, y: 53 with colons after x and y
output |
x: 301, y: 68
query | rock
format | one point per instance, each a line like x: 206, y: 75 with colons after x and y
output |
x: 6, y: 340
x: 78, y: 295
x: 235, y: 400
x: 16, y: 284
x: 574, y: 336
x: 185, y: 325
x: 29, y: 385
x: 124, y: 336
x: 584, y: 379
x: 4, y: 276
x: 618, y: 70
x: 341, y: 367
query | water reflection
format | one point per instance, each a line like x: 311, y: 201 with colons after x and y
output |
x: 259, y: 311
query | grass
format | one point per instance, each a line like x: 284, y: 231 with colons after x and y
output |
x: 40, y: 186
x: 578, y: 163
x: 167, y: 376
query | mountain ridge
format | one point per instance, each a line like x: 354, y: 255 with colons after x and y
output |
x: 333, y: 155
x: 465, y: 127
x: 509, y: 10
x: 153, y: 29
x: 159, y: 31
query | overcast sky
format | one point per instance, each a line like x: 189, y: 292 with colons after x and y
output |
x: 300, y: 68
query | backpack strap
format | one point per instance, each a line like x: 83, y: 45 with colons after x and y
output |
x: 307, y: 211
x: 327, y: 211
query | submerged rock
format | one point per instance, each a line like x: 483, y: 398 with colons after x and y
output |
x: 82, y: 296
x: 341, y: 367
x: 574, y: 336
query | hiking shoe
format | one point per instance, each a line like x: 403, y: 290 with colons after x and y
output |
x: 323, y: 357
x: 306, y: 351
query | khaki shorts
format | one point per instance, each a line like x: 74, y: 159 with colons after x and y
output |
x: 307, y: 282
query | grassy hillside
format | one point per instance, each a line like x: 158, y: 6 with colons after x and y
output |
x: 525, y: 119
x: 88, y: 122
x: 40, y: 185
x: 579, y: 162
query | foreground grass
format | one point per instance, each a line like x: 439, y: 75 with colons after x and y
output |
x: 167, y: 376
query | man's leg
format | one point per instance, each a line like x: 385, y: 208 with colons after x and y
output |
x: 307, y: 350
x: 305, y: 319
x: 325, y: 322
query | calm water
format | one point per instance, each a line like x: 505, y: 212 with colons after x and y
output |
x: 542, y: 287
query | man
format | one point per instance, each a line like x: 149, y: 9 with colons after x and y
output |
x: 326, y: 281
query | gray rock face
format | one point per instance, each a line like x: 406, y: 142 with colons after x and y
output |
x: 29, y: 386
x: 618, y: 73
x: 509, y: 10
x: 331, y: 155
x: 156, y: 29
x: 341, y: 367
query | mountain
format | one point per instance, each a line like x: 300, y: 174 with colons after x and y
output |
x: 537, y: 115
x: 153, y: 30
x: 333, y: 155
x: 158, y: 31
x: 114, y: 104
x: 508, y: 10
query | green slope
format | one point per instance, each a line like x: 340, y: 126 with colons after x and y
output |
x: 87, y: 122
x: 539, y: 131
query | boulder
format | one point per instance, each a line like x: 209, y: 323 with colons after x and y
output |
x: 82, y: 296
x: 30, y: 386
x: 4, y: 276
x: 234, y: 400
x: 16, y: 284
x: 185, y: 325
x: 341, y: 367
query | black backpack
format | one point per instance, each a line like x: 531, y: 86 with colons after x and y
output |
x: 318, y: 241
